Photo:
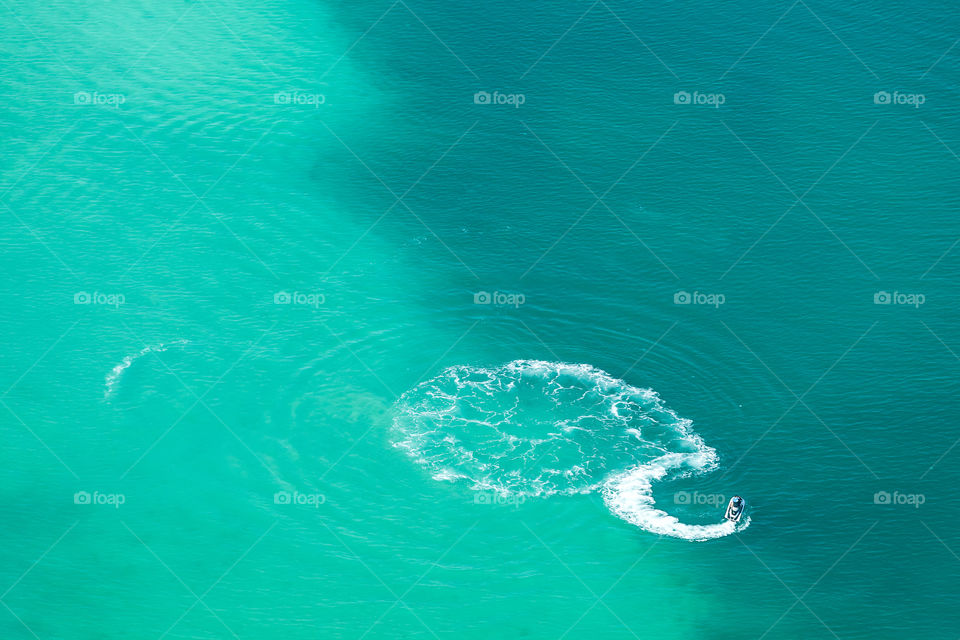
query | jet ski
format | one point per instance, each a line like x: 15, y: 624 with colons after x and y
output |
x: 735, y: 509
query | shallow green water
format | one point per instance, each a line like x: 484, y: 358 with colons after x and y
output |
x: 237, y: 233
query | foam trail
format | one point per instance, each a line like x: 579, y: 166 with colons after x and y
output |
x: 113, y: 377
x: 629, y: 496
x: 533, y: 428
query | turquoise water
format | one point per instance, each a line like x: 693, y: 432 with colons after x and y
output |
x: 251, y: 387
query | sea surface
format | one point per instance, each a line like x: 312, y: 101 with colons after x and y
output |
x: 424, y: 319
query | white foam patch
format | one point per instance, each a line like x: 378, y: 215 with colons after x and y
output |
x: 113, y: 377
x: 534, y: 428
x: 629, y: 496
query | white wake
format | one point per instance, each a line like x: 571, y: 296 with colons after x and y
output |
x: 113, y: 377
x: 535, y: 428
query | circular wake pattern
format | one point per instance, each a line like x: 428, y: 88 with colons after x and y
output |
x: 534, y: 428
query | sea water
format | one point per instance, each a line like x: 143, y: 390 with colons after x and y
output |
x: 427, y: 319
